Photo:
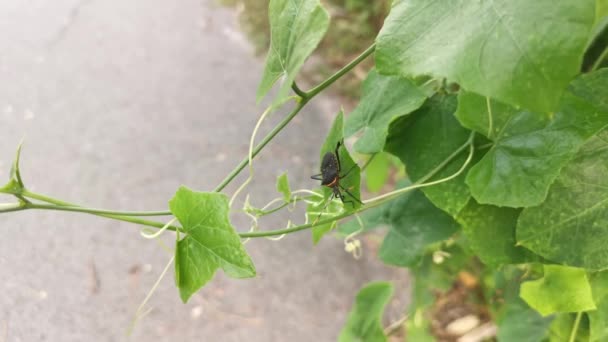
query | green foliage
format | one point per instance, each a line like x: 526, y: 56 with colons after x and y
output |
x: 529, y: 149
x: 598, y: 319
x: 490, y: 232
x: 504, y: 49
x: 364, y: 321
x: 384, y: 99
x: 414, y: 224
x: 296, y: 28
x: 561, y: 289
x: 426, y: 138
x: 570, y: 227
x: 210, y: 242
x: 522, y: 323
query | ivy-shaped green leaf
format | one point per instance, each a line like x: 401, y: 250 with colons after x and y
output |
x: 210, y: 242
x: 296, y: 28
x: 529, y: 149
x: 283, y: 187
x: 561, y: 289
x: 415, y: 223
x: 351, y: 182
x: 570, y: 227
x: 384, y: 99
x: 490, y: 232
x: 364, y: 322
x: 425, y: 139
x: 518, y: 51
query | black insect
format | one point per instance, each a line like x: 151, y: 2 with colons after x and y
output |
x: 330, y: 176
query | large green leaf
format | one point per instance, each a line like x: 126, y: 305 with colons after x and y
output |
x: 351, y: 182
x: 210, y: 242
x: 296, y: 28
x: 490, y: 232
x: 376, y: 173
x: 364, y: 322
x: 518, y: 51
x: 598, y: 319
x: 515, y: 319
x: 521, y: 323
x: 414, y: 224
x: 529, y: 149
x: 425, y: 139
x: 571, y: 226
x: 384, y: 99
x: 561, y: 289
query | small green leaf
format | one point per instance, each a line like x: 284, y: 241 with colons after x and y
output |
x: 561, y: 289
x: 349, y: 185
x: 296, y: 28
x: 384, y: 99
x: 364, y: 322
x: 348, y: 167
x: 490, y: 232
x: 425, y: 139
x: 15, y: 183
x: 521, y: 52
x: 570, y: 226
x: 283, y: 187
x: 210, y: 242
x: 529, y: 149
x: 376, y: 172
x: 414, y: 224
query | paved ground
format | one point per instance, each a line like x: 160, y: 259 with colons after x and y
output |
x: 120, y: 102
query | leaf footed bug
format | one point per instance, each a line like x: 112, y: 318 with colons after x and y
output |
x: 330, y: 177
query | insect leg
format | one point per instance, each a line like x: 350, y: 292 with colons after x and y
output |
x: 317, y: 177
x: 337, y: 153
x: 350, y: 194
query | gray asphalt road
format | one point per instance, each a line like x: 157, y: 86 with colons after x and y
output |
x: 119, y: 103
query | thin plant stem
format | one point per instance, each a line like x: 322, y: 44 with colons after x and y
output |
x: 575, y: 327
x: 600, y: 59
x: 65, y: 206
x: 333, y: 78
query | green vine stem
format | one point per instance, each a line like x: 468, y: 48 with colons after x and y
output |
x: 65, y: 206
x: 129, y: 216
